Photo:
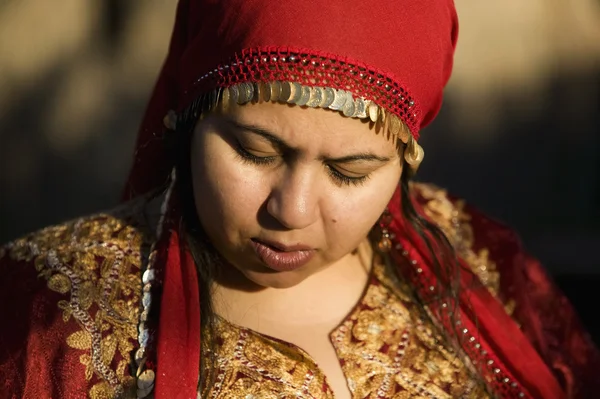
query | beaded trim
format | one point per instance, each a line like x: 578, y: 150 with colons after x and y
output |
x: 474, y: 349
x: 316, y: 97
x: 313, y: 68
x: 145, y: 376
x: 308, y: 96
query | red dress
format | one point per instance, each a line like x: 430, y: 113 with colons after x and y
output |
x: 71, y: 298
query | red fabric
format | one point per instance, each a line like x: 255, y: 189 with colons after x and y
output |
x: 547, y: 354
x: 178, y: 346
x: 409, y: 43
x: 416, y: 60
x: 35, y: 361
x: 545, y: 315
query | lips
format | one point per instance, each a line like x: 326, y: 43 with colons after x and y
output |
x: 280, y: 257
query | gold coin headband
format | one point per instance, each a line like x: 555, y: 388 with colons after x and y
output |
x: 313, y: 97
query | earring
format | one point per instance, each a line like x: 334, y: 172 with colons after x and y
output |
x: 170, y: 120
x: 413, y: 154
x: 385, y: 242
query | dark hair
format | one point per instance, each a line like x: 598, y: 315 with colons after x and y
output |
x: 445, y: 265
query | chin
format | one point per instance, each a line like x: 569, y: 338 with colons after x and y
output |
x: 276, y: 279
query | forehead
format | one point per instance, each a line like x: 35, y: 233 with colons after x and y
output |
x: 313, y: 127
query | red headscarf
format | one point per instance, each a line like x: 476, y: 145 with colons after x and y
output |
x: 397, y: 53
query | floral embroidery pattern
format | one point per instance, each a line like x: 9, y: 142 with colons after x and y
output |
x: 387, y: 351
x: 254, y: 366
x: 94, y: 262
x: 384, y: 349
x: 453, y: 220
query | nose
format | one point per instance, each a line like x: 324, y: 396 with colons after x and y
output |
x: 294, y: 200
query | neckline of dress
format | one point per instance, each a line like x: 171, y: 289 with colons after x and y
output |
x: 375, y: 277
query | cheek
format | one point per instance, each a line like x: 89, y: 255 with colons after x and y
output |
x: 351, y: 218
x: 227, y: 195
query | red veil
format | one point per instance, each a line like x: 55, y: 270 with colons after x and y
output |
x: 398, y: 54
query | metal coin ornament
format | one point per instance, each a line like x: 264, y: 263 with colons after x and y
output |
x: 361, y: 109
x: 373, y: 112
x: 296, y: 93
x: 275, y: 91
x: 404, y: 134
x: 234, y: 93
x: 385, y: 241
x: 249, y: 92
x: 339, y: 99
x: 266, y: 92
x: 348, y: 108
x: 145, y: 383
x: 305, y: 96
x: 315, y: 97
x: 243, y: 96
x: 328, y: 98
x: 286, y: 92
x: 413, y: 155
x: 170, y: 120
x: 395, y: 125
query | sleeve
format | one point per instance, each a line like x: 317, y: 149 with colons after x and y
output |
x: 68, y: 326
x: 70, y: 298
x: 539, y: 307
x: 34, y: 360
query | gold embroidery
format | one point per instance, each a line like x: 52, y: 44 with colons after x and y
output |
x: 104, y: 295
x: 453, y: 220
x: 251, y: 365
x: 388, y: 352
x: 384, y: 349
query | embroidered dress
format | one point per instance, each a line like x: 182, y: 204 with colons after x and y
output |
x: 72, y: 298
x: 386, y: 351
x: 108, y: 306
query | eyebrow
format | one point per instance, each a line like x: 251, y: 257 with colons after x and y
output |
x: 278, y: 142
x: 259, y: 131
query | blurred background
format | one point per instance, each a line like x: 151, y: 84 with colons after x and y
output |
x: 519, y: 134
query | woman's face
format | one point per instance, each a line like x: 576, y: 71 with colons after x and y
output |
x: 283, y: 191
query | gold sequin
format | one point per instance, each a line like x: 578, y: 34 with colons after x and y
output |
x: 453, y: 220
x: 386, y: 352
x: 102, y: 297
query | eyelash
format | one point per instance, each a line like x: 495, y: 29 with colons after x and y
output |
x: 340, y: 178
x: 253, y: 159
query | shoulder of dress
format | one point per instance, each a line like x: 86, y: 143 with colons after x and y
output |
x: 125, y: 229
x: 462, y: 222
x: 446, y: 212
x: 75, y: 293
x: 484, y: 244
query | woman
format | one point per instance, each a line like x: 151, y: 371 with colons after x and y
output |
x: 273, y: 245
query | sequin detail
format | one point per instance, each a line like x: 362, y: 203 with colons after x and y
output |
x: 312, y: 68
x: 451, y: 218
x: 384, y: 349
x: 454, y: 222
x: 95, y: 263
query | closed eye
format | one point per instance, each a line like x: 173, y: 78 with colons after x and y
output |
x: 343, y: 179
x: 249, y: 157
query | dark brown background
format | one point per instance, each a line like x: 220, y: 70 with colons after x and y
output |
x: 519, y: 134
